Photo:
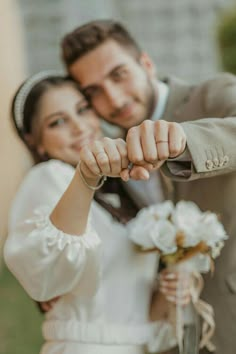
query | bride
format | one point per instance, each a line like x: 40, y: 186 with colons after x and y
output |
x: 63, y: 244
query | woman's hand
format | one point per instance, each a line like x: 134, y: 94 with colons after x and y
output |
x: 108, y: 157
x: 46, y: 306
x: 175, y: 286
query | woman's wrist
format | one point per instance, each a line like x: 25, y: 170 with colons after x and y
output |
x: 91, y: 180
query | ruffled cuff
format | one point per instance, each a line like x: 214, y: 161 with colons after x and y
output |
x: 55, y: 237
x: 49, y: 262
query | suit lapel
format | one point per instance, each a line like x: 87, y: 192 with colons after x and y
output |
x: 179, y: 93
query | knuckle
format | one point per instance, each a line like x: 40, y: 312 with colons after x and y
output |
x: 120, y: 141
x: 175, y: 150
x: 92, y: 165
x: 115, y: 159
x: 151, y: 157
x: 147, y: 124
x: 107, y: 140
x: 163, y: 155
x: 160, y: 123
x: 131, y: 132
x: 137, y: 160
x: 175, y: 127
x: 103, y: 160
x: 123, y: 153
x: 96, y: 144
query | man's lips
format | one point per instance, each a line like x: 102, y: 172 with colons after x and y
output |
x: 126, y: 112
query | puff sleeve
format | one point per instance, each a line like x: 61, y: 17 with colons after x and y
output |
x: 46, y: 261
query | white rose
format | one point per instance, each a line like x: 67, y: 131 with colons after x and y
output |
x: 163, y: 210
x: 163, y: 235
x: 139, y: 232
x: 215, y: 251
x: 211, y: 230
x: 187, y: 218
x: 141, y: 227
x: 156, y: 211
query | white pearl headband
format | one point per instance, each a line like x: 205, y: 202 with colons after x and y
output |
x: 25, y: 90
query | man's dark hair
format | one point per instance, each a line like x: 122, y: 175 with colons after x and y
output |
x: 89, y: 36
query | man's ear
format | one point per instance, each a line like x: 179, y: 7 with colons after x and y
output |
x: 147, y: 63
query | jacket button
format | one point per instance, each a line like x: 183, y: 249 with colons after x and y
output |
x: 221, y: 162
x: 209, y: 164
x: 226, y: 159
x: 216, y: 162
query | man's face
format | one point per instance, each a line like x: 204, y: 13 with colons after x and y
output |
x: 119, y: 87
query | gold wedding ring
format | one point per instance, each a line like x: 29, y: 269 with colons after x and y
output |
x: 161, y: 141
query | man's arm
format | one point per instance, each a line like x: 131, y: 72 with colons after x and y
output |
x: 211, y: 142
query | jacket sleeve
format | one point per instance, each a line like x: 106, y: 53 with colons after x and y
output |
x: 211, y: 141
x: 46, y: 261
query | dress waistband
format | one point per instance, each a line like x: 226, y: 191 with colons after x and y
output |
x: 55, y: 330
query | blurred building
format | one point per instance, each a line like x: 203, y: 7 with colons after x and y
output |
x: 13, y: 156
x: 178, y: 34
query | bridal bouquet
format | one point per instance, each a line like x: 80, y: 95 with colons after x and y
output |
x: 186, y: 239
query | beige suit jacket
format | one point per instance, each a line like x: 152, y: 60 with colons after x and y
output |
x: 206, y: 174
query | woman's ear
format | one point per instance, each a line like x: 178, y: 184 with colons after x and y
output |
x: 41, y: 151
x: 148, y: 65
x: 38, y: 148
x: 29, y: 140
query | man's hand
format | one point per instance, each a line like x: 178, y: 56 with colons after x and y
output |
x: 154, y: 142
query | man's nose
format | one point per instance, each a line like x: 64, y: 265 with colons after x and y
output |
x: 114, y: 95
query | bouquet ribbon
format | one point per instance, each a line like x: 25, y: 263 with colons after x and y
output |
x: 203, y: 309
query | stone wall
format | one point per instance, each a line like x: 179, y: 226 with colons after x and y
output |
x: 178, y: 34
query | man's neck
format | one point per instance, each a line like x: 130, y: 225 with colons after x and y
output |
x: 156, y: 97
x: 162, y: 93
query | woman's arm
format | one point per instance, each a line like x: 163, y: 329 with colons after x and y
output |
x: 107, y: 157
x: 50, y: 249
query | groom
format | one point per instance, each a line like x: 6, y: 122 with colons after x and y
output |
x: 192, y: 128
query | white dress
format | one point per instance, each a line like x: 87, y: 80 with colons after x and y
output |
x: 104, y: 284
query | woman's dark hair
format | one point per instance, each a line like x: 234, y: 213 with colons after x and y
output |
x: 32, y: 101
x: 23, y: 118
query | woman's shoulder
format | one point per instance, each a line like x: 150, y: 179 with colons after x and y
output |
x: 50, y: 168
x: 43, y: 185
x: 52, y: 174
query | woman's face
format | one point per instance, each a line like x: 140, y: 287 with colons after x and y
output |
x: 64, y: 124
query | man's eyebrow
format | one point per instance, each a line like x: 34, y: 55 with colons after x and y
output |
x: 95, y: 85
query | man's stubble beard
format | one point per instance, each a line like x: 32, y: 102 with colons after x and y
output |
x: 149, y: 104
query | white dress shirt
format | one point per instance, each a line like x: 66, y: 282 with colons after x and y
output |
x: 149, y: 192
